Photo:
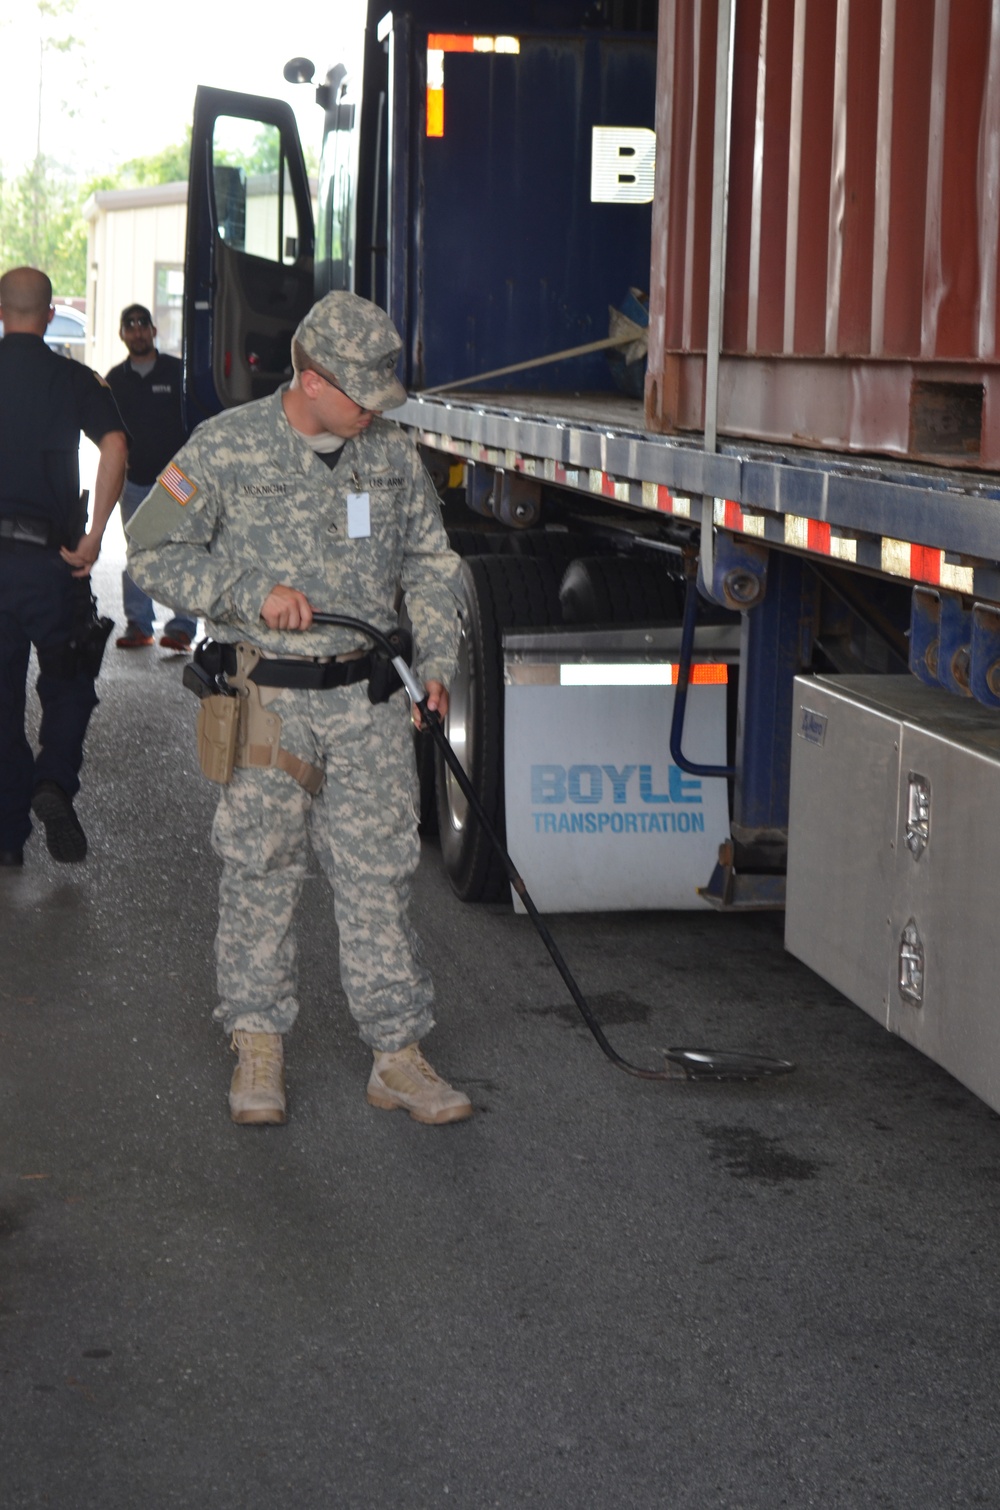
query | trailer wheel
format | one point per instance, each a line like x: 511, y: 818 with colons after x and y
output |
x: 466, y: 542
x: 500, y: 592
x: 558, y: 546
x: 622, y: 590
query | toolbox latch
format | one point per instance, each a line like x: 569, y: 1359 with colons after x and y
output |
x: 918, y: 814
x: 911, y: 965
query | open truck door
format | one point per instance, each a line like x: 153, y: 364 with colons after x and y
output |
x: 248, y: 270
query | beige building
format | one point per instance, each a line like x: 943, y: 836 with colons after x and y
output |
x: 135, y: 254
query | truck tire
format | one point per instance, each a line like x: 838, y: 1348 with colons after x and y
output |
x: 466, y: 542
x: 500, y: 592
x: 622, y: 590
x: 560, y: 546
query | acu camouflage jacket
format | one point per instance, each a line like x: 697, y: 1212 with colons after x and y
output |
x: 246, y: 505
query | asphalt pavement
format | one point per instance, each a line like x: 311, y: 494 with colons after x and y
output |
x: 598, y: 1292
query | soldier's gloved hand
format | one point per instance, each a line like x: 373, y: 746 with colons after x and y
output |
x: 286, y: 608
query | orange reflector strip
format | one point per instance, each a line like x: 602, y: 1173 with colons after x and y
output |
x: 440, y: 42
x: 707, y: 676
x: 435, y: 112
x: 453, y: 42
x: 447, y: 42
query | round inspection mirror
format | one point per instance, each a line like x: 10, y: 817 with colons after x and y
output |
x: 725, y: 1064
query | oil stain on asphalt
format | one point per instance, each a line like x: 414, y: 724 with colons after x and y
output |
x: 613, y: 1009
x: 751, y: 1155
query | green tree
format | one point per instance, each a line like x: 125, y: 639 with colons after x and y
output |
x: 169, y: 165
x: 39, y: 210
x: 41, y: 226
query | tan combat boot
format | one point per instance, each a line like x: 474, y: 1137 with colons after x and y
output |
x: 257, y: 1092
x: 405, y: 1080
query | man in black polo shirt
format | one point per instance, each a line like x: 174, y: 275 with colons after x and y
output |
x: 45, y: 545
x: 147, y: 389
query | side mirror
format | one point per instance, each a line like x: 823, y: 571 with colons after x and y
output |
x: 299, y: 71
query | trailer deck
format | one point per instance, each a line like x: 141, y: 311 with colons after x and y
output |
x: 926, y: 524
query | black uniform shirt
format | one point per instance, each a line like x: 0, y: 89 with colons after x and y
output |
x: 151, y: 408
x: 45, y: 402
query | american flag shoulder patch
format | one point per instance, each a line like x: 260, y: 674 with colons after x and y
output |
x: 177, y: 485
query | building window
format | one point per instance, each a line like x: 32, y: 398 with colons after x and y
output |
x: 168, y: 306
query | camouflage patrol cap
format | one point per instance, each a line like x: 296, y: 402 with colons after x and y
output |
x: 356, y: 344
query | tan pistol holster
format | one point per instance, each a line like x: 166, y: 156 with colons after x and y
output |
x: 255, y: 729
x: 218, y: 725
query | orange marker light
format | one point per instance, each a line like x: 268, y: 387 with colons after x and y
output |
x: 709, y: 676
x: 435, y: 112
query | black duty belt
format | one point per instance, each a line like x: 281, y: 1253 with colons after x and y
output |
x: 38, y: 534
x: 310, y: 675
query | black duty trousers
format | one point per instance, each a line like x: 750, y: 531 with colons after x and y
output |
x: 38, y: 594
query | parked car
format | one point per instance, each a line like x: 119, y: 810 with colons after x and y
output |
x: 67, y: 331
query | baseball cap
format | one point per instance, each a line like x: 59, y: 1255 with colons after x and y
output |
x: 356, y: 344
x: 135, y: 309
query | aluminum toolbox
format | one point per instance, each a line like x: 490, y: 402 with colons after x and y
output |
x: 894, y: 861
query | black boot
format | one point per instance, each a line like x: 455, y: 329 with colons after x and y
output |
x: 64, y: 836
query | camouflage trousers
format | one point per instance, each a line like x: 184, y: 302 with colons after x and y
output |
x: 363, y: 829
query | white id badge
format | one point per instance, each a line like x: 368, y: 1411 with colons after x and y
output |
x: 359, y: 518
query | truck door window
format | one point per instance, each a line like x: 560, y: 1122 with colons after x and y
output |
x: 254, y: 203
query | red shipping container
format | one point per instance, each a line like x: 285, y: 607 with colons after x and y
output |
x: 859, y: 299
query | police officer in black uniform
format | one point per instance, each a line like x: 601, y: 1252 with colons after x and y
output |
x: 46, y: 553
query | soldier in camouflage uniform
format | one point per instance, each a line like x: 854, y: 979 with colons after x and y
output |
x: 309, y: 499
